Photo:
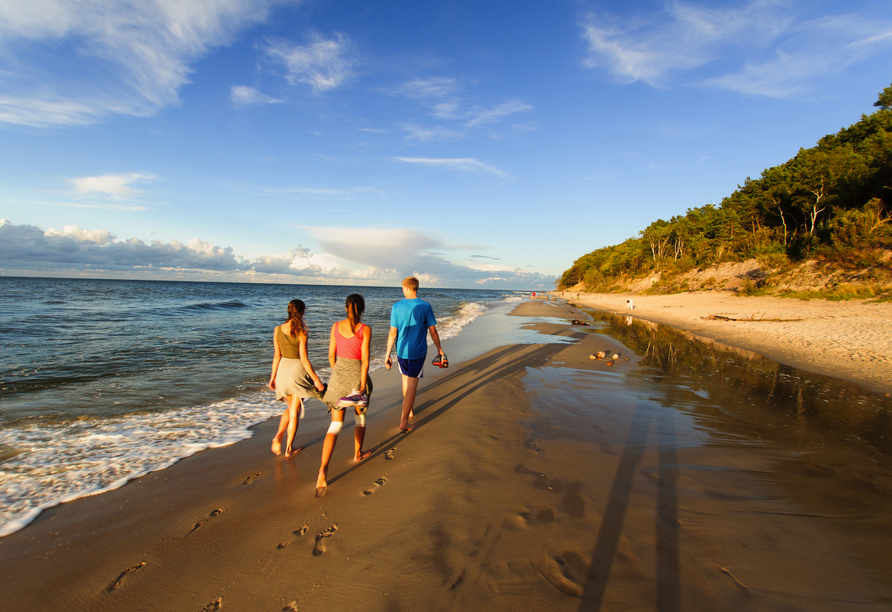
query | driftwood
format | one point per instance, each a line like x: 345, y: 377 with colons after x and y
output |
x: 750, y: 318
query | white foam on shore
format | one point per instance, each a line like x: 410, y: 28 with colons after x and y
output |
x: 62, y: 462
x: 451, y: 326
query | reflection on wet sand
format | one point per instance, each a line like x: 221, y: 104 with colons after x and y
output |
x: 774, y: 482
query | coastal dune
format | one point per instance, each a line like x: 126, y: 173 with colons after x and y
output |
x: 536, y: 478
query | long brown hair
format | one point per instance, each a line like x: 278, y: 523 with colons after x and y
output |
x: 355, y: 308
x: 296, y: 310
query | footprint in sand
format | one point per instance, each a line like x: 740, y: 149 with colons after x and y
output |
x: 117, y: 584
x: 198, y: 525
x: 378, y: 483
x: 214, y: 605
x: 320, y: 539
x: 292, y: 607
x: 298, y: 532
x: 389, y: 453
x: 251, y: 478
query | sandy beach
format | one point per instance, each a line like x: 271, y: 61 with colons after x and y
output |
x: 850, y: 340
x: 536, y: 479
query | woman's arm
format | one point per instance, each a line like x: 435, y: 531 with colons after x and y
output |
x: 305, y: 360
x: 277, y: 357
x: 364, y: 371
x: 333, y: 347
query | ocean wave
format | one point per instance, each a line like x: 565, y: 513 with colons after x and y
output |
x: 216, y: 305
x: 451, y: 325
x: 51, y: 464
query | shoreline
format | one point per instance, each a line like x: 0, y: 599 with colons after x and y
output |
x: 849, y: 340
x: 535, y: 479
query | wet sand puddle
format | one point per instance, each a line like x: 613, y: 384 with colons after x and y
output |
x: 720, y: 478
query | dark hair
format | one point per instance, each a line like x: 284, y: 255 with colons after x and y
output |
x: 355, y: 308
x: 296, y: 310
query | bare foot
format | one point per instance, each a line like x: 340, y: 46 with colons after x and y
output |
x: 362, y: 455
x: 321, y: 484
x: 290, y: 453
x: 277, y: 446
x: 406, y: 430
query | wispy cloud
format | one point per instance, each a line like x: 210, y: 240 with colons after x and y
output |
x: 322, y: 64
x: 241, y: 95
x: 490, y: 115
x: 417, y: 133
x: 117, y: 186
x: 436, y: 87
x: 760, y: 47
x: 466, y: 164
x: 123, y: 57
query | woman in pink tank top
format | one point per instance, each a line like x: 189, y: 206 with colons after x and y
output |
x: 350, y: 385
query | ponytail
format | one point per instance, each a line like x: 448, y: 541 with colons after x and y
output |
x: 355, y: 308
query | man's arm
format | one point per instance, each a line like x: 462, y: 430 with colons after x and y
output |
x: 391, y: 339
x: 436, y: 338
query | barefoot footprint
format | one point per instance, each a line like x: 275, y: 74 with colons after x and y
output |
x: 213, y: 606
x: 378, y: 483
x: 251, y: 478
x: 292, y: 607
x: 389, y: 453
x: 320, y: 546
x: 298, y: 532
x: 198, y: 525
x: 117, y: 584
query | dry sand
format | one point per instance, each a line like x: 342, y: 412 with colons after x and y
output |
x: 850, y: 340
x: 536, y: 479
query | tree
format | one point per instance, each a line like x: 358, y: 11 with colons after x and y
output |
x: 884, y: 102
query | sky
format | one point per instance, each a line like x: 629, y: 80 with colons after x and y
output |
x: 471, y: 144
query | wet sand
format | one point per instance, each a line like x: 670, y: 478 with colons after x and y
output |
x: 536, y: 478
x: 850, y: 340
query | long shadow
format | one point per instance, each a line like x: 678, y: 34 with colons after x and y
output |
x: 668, y: 576
x: 483, y: 378
x: 615, y: 513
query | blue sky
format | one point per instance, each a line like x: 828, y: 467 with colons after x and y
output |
x: 474, y: 144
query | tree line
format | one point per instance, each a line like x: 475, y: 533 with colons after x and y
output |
x: 830, y: 201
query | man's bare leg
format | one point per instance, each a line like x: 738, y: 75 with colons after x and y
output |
x: 293, y: 424
x: 405, y: 389
x: 410, y: 388
x: 283, y: 427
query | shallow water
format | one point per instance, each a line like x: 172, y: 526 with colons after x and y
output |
x: 785, y: 475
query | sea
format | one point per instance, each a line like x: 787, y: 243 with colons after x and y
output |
x: 102, y: 381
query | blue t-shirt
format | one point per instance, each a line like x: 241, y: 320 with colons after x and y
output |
x: 412, y: 318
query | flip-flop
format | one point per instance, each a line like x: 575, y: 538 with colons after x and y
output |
x: 440, y: 361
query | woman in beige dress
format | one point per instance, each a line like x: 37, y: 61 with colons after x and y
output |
x: 293, y: 378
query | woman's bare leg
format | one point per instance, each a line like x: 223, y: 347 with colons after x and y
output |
x: 359, y: 437
x: 337, y: 416
x: 283, y: 426
x: 293, y: 423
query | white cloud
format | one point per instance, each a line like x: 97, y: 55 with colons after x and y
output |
x: 322, y: 64
x: 351, y: 255
x: 99, y: 237
x: 120, y: 56
x: 116, y: 186
x: 758, y: 48
x: 465, y: 163
x: 241, y: 95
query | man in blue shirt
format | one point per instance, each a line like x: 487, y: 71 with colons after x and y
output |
x: 410, y: 321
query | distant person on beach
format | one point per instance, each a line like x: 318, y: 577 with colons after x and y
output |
x: 293, y: 378
x: 350, y: 385
x: 411, y: 319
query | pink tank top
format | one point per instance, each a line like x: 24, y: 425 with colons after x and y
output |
x: 349, y: 348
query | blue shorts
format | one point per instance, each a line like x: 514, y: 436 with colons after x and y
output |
x: 413, y: 368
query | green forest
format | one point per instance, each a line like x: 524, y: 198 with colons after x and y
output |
x: 830, y: 202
